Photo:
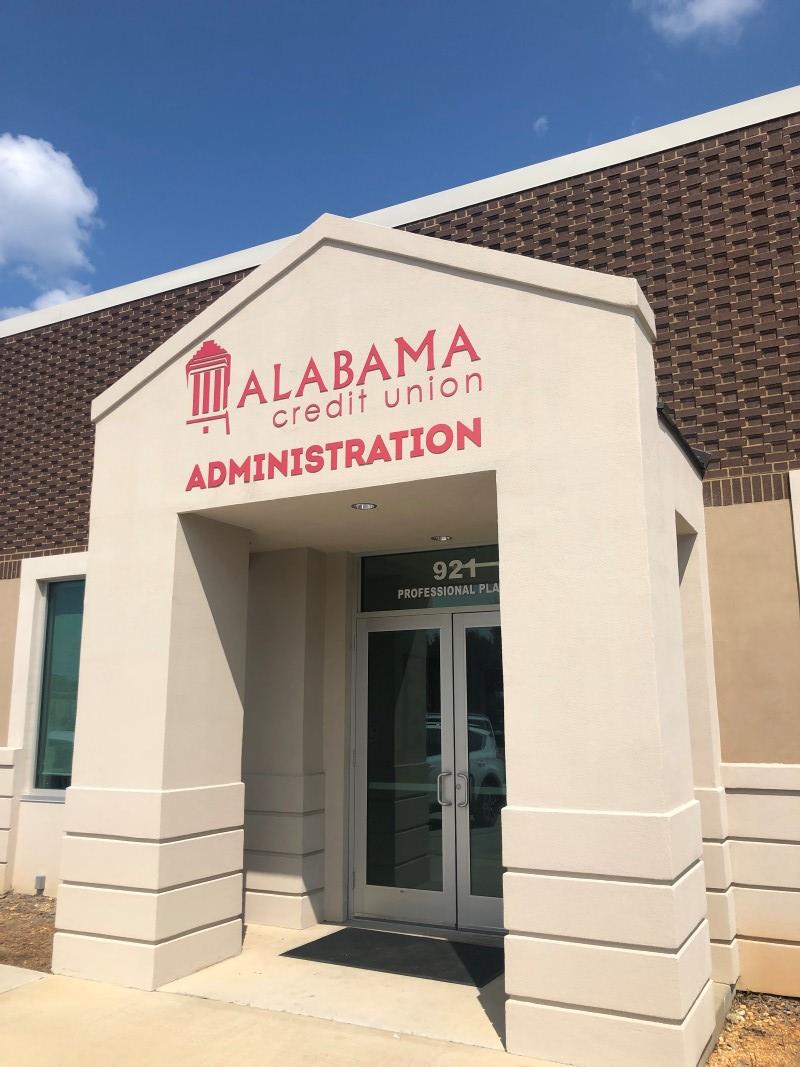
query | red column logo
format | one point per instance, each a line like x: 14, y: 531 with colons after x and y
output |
x: 208, y: 375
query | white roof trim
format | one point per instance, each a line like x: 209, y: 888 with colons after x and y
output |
x: 700, y: 127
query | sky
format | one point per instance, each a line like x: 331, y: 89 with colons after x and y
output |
x: 140, y: 138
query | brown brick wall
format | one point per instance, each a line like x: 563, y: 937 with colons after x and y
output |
x: 48, y: 379
x: 711, y: 231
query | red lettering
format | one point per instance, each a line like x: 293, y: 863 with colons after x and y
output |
x: 460, y: 343
x: 416, y: 442
x: 463, y: 434
x: 311, y: 376
x: 373, y: 362
x: 333, y: 448
x: 196, y: 479
x: 277, y: 463
x: 217, y: 473
x: 444, y: 431
x: 276, y: 379
x: 342, y: 369
x: 398, y: 436
x: 354, y: 452
x: 239, y: 470
x: 351, y: 452
x: 379, y: 451
x: 252, y: 388
x: 315, y: 458
x: 405, y: 349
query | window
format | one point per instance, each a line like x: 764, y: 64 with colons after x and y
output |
x: 62, y: 646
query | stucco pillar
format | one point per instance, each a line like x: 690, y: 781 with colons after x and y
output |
x: 151, y: 874
x: 8, y: 758
x: 607, y: 956
x: 706, y: 753
x: 283, y: 752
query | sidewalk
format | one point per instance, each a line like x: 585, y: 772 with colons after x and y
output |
x: 66, y: 1022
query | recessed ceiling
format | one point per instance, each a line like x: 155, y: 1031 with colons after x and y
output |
x: 407, y: 516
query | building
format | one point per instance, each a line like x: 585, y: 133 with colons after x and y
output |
x: 315, y: 473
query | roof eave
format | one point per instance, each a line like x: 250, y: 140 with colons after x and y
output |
x: 660, y: 139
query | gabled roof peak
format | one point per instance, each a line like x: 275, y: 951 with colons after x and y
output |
x: 584, y: 286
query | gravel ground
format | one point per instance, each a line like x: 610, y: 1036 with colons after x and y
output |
x: 761, y: 1030
x: 26, y: 931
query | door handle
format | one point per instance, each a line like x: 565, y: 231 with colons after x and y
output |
x: 439, y: 797
x: 459, y: 775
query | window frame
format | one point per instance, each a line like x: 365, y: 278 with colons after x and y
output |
x: 36, y: 576
x: 43, y: 725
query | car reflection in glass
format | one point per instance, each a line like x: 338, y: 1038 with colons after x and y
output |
x: 487, y: 768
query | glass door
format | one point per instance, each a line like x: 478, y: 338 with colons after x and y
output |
x: 405, y: 863
x: 430, y: 770
x: 480, y: 767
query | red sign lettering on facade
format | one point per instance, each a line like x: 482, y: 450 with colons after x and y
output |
x: 208, y: 375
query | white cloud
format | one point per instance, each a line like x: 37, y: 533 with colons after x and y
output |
x: 47, y: 213
x: 71, y: 290
x: 541, y: 126
x: 679, y: 20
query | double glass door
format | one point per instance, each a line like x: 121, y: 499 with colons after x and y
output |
x: 430, y: 770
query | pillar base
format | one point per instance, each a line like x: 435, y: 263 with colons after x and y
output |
x: 283, y: 909
x: 140, y: 965
x: 151, y: 883
x: 284, y: 849
x: 770, y: 967
x: 608, y: 959
x: 594, y: 1039
x: 717, y: 861
x: 7, y: 760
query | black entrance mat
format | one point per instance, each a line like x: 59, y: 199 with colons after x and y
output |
x: 419, y: 957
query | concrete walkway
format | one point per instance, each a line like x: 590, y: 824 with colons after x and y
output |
x: 264, y: 976
x: 66, y: 1022
x: 11, y: 977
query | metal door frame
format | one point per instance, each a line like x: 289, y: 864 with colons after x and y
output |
x: 384, y: 902
x: 474, y: 912
x: 454, y: 907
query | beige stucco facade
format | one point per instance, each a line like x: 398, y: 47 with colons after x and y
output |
x: 652, y: 686
x: 646, y: 856
x: 31, y: 820
x: 214, y: 737
x: 756, y: 613
x: 752, y: 564
x: 9, y: 601
x: 651, y: 836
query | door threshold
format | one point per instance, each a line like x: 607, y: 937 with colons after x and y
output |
x: 444, y: 933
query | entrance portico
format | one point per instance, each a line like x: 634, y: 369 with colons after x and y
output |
x: 301, y: 746
x: 218, y: 723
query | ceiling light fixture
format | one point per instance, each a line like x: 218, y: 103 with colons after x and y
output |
x: 363, y: 505
x: 441, y: 537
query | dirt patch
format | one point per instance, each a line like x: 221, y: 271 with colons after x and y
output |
x: 26, y: 931
x: 760, y: 1031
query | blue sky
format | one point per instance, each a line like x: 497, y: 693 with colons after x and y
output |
x: 138, y: 138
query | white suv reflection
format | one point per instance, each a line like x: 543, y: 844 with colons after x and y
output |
x: 487, y: 767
